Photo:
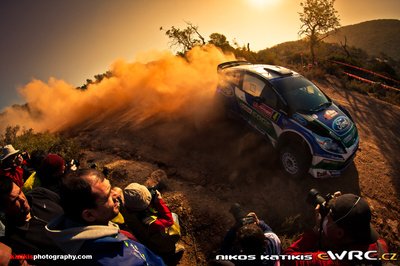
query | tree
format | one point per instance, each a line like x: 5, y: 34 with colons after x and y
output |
x: 186, y: 38
x: 318, y: 19
x: 220, y: 41
x: 98, y: 79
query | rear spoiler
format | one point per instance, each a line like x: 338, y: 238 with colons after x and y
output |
x: 231, y: 64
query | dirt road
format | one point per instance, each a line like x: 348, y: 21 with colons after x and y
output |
x: 212, y: 163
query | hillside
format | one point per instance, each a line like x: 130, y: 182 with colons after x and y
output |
x: 375, y: 37
x: 214, y: 163
x: 159, y: 119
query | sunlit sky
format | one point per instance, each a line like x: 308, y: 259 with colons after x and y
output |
x: 74, y: 39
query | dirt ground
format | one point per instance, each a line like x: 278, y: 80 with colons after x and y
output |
x: 210, y: 164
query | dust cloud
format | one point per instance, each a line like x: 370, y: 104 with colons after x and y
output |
x: 158, y: 85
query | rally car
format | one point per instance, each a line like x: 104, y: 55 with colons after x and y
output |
x: 311, y: 133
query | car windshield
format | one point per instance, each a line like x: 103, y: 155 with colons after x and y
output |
x: 301, y: 94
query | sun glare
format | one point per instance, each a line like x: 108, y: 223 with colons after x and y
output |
x: 262, y: 3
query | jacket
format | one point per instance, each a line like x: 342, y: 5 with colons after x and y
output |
x: 104, y: 243
x: 16, y: 174
x: 30, y: 237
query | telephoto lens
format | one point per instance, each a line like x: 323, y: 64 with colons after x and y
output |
x: 314, y: 198
x: 237, y: 212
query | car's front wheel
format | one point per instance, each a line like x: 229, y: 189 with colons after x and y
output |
x: 294, y: 161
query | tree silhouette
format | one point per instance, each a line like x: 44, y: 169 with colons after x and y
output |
x: 220, y: 41
x: 98, y: 79
x: 185, y: 39
x: 318, y: 19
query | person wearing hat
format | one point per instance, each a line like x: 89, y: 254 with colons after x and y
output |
x: 155, y: 213
x: 346, y: 227
x: 50, y: 172
x: 152, y: 221
x: 11, y: 162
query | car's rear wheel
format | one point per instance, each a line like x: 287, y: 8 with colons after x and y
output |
x: 294, y: 161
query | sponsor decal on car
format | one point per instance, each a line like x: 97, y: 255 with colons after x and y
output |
x: 245, y: 107
x: 329, y: 114
x: 262, y: 108
x: 334, y: 173
x: 341, y: 124
x: 267, y: 111
x: 329, y: 173
x: 276, y: 116
x: 322, y: 174
x: 261, y: 119
x: 349, y: 137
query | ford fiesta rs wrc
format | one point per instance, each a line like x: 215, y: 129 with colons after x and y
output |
x: 311, y: 133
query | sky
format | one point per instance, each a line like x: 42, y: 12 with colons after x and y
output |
x: 73, y: 40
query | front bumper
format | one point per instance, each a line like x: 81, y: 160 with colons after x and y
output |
x: 324, y: 167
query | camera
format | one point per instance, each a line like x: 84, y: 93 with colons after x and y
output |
x: 240, y: 216
x: 314, y: 198
x: 153, y: 192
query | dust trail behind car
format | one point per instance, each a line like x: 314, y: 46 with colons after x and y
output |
x: 159, y: 86
x: 161, y: 100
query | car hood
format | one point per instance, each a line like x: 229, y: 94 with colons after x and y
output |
x: 331, y: 122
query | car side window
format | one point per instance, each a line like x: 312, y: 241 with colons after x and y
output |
x: 253, y: 85
x: 230, y: 79
x: 269, y: 97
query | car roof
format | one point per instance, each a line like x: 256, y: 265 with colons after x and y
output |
x: 267, y: 71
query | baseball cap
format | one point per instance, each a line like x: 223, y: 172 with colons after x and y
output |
x: 137, y: 197
x: 352, y: 213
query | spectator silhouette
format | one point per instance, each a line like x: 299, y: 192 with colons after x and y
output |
x: 345, y: 227
x: 152, y: 222
x: 11, y: 165
x: 26, y: 218
x: 249, y: 236
x: 50, y: 172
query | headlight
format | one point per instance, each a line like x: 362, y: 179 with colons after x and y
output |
x: 329, y: 145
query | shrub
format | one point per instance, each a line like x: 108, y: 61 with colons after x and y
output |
x: 29, y: 141
x: 314, y: 73
x: 357, y: 86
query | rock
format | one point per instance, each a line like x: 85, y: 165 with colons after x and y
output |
x: 157, y: 178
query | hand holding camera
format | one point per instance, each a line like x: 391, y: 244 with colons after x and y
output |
x: 253, y: 216
x: 155, y: 194
x: 240, y: 217
x: 322, y: 208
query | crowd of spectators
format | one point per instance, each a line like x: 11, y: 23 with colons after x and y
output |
x: 49, y: 207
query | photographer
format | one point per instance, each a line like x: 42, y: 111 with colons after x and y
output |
x: 152, y: 222
x: 342, y: 224
x: 250, y: 236
x: 13, y: 163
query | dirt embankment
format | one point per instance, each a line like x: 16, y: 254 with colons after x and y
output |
x: 211, y: 164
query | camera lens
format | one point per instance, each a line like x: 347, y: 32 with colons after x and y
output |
x: 237, y: 211
x: 314, y: 198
